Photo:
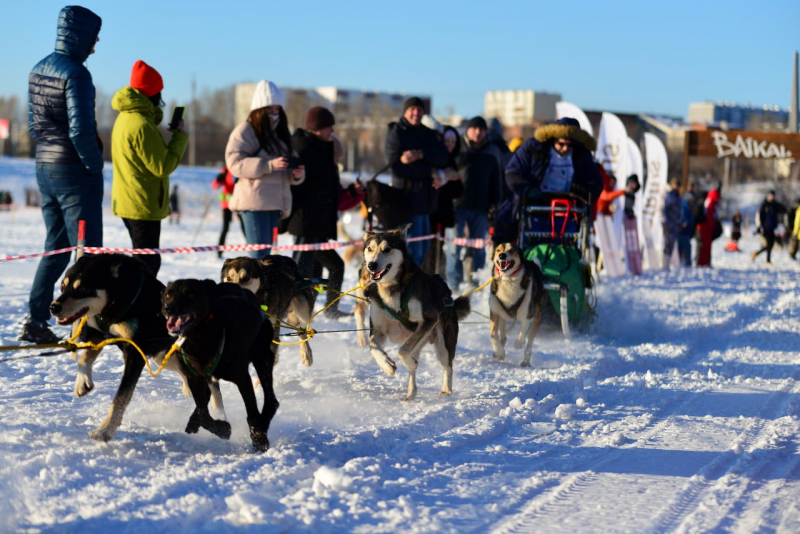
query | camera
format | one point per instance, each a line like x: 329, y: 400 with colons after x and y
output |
x: 294, y: 162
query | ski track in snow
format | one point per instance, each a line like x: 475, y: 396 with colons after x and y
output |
x: 676, y: 410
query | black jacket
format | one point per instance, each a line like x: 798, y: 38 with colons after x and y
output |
x: 315, y: 202
x: 480, y: 171
x: 416, y: 178
x: 61, y: 96
x: 769, y: 215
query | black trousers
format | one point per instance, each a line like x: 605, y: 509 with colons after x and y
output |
x: 227, y: 217
x: 326, y: 259
x: 769, y: 237
x: 146, y: 234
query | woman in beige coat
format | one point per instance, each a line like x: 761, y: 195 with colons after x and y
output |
x: 258, y: 153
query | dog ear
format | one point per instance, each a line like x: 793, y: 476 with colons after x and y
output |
x: 367, y: 235
x: 226, y: 263
x: 116, y: 267
x: 403, y: 230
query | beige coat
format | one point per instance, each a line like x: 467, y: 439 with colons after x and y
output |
x: 259, y: 187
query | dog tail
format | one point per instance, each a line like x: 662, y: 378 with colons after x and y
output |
x: 462, y: 305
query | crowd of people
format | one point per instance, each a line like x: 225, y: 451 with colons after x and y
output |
x: 465, y: 185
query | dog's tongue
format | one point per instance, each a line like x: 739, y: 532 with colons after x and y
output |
x: 174, y: 322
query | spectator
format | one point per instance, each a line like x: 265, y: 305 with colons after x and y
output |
x: 174, y: 205
x: 605, y: 202
x: 794, y: 224
x: 708, y: 227
x: 445, y: 216
x: 631, y: 188
x: 479, y: 167
x: 413, y: 151
x: 736, y: 226
x: 671, y: 220
x: 69, y: 157
x: 557, y: 158
x: 258, y: 153
x: 316, y: 201
x: 225, y: 181
x: 769, y: 216
x: 685, y: 235
x: 142, y: 161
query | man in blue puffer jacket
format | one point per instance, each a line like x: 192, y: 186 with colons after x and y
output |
x: 69, y: 158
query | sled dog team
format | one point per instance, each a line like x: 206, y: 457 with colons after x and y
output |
x: 222, y: 328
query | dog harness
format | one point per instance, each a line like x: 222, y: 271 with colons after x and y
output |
x: 512, y: 310
x: 403, y: 316
x: 210, y: 372
x: 317, y: 284
x: 105, y: 324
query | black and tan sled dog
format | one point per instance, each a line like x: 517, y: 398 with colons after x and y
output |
x: 517, y: 294
x: 222, y: 331
x: 279, y: 287
x: 120, y: 298
x: 410, y: 308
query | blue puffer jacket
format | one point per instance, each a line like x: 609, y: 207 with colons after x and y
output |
x: 526, y: 169
x: 61, y: 96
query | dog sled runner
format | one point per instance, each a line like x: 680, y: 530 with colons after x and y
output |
x: 554, y: 232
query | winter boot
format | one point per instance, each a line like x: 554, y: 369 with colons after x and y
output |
x: 38, y: 333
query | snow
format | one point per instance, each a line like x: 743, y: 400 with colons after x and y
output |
x: 676, y: 410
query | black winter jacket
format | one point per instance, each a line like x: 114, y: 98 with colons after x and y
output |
x: 315, y: 202
x: 416, y: 178
x: 480, y: 171
x: 61, y: 96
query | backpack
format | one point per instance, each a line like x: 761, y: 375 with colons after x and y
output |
x: 700, y: 213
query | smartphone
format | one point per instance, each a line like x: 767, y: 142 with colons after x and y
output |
x: 177, y: 117
x: 294, y: 162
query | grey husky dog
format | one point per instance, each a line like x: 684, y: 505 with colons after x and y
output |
x: 274, y: 281
x: 517, y: 295
x: 410, y: 308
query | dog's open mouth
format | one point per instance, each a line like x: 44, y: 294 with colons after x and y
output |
x: 72, y: 318
x: 375, y: 276
x: 503, y: 266
x: 177, y: 324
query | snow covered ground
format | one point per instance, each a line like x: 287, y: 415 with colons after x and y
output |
x: 677, y: 410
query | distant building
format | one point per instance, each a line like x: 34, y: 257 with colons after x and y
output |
x: 520, y: 108
x: 738, y: 116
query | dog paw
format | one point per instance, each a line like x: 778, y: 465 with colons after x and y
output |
x: 362, y: 339
x: 193, y: 425
x: 83, y: 385
x: 102, y: 433
x: 408, y: 398
x: 221, y: 429
x: 389, y: 367
x: 259, y: 439
x: 499, y: 357
x: 445, y: 393
x: 518, y: 344
x: 525, y: 363
x: 308, y: 359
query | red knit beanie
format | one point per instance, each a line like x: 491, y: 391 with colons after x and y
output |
x: 146, y: 79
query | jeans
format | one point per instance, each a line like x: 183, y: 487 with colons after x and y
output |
x: 477, y: 222
x: 421, y: 226
x: 145, y: 234
x: 685, y: 249
x: 258, y: 228
x: 70, y: 193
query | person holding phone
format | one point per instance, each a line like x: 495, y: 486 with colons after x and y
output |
x: 142, y: 160
x: 259, y: 153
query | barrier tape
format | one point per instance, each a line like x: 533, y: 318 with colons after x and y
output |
x: 472, y: 243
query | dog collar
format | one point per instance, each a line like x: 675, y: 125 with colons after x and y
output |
x: 512, y: 274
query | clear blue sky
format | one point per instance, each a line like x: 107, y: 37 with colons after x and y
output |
x: 603, y: 55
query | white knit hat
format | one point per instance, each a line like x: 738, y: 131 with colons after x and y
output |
x: 267, y: 94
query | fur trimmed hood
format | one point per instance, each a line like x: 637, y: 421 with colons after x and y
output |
x: 544, y: 134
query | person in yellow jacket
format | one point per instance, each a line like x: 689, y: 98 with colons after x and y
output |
x: 795, y: 231
x: 142, y: 160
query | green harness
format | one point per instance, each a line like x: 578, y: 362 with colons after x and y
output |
x: 210, y: 373
x: 403, y: 316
